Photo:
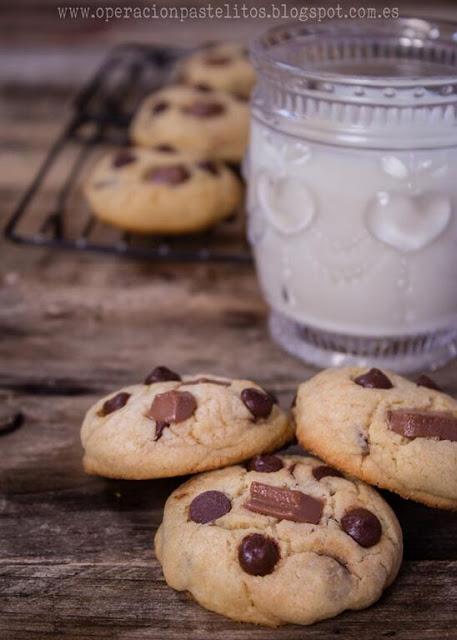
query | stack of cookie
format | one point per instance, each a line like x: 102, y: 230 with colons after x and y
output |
x: 177, y: 178
x: 280, y: 538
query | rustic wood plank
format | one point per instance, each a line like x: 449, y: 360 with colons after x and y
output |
x: 76, y: 556
x: 130, y: 601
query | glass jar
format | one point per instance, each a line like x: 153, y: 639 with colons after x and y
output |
x: 352, y: 190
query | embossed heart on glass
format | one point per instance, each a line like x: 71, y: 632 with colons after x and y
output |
x: 288, y: 203
x: 408, y: 222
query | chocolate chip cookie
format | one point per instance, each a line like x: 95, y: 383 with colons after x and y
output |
x: 170, y: 426
x: 398, y: 434
x: 223, y: 66
x: 161, y: 191
x: 211, y: 123
x: 282, y: 539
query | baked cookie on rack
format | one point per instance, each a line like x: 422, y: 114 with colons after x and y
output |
x: 223, y: 66
x: 171, y: 426
x: 283, y: 539
x: 161, y: 191
x: 211, y: 123
x: 384, y: 429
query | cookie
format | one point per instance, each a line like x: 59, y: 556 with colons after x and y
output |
x: 384, y: 429
x: 223, y: 66
x: 170, y: 426
x: 161, y: 191
x: 211, y: 123
x: 283, y: 539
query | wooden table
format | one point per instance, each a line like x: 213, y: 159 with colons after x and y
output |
x: 76, y: 556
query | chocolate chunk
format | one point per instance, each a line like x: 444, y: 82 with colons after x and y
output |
x: 258, y: 402
x: 201, y: 109
x: 425, y: 381
x: 363, y: 526
x: 209, y: 166
x: 160, y: 426
x: 162, y: 374
x: 123, y: 158
x: 209, y: 506
x: 113, y: 404
x: 414, y: 423
x: 374, y: 379
x: 165, y: 148
x: 324, y: 471
x: 159, y: 107
x: 284, y: 504
x: 240, y: 97
x: 217, y: 61
x: 265, y: 464
x: 222, y: 383
x: 203, y: 88
x: 172, y: 406
x: 258, y: 554
x: 173, y: 174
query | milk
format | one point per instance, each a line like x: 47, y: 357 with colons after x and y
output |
x: 356, y: 241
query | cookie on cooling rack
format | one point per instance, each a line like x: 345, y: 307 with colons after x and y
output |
x: 161, y: 191
x: 223, y: 66
x: 212, y: 123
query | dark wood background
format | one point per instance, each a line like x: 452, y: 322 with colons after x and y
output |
x: 76, y: 552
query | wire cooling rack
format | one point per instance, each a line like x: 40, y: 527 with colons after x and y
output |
x: 53, y: 213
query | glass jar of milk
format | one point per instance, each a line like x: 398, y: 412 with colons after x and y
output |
x: 352, y: 190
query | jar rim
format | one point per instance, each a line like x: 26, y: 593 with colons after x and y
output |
x: 419, y: 39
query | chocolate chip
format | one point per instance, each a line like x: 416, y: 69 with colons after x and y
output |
x: 162, y: 374
x: 165, y: 148
x: 113, y: 404
x: 160, y: 426
x: 265, y: 464
x: 259, y: 403
x: 284, y: 504
x: 209, y: 166
x: 323, y: 471
x: 414, y: 423
x: 258, y: 554
x: 374, y: 379
x: 201, y: 109
x: 203, y: 88
x: 173, y: 174
x: 425, y: 381
x: 159, y: 107
x: 240, y: 97
x: 363, y: 526
x: 172, y: 406
x: 123, y: 158
x: 217, y: 61
x: 209, y: 506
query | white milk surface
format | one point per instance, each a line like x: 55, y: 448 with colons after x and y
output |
x: 356, y: 241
